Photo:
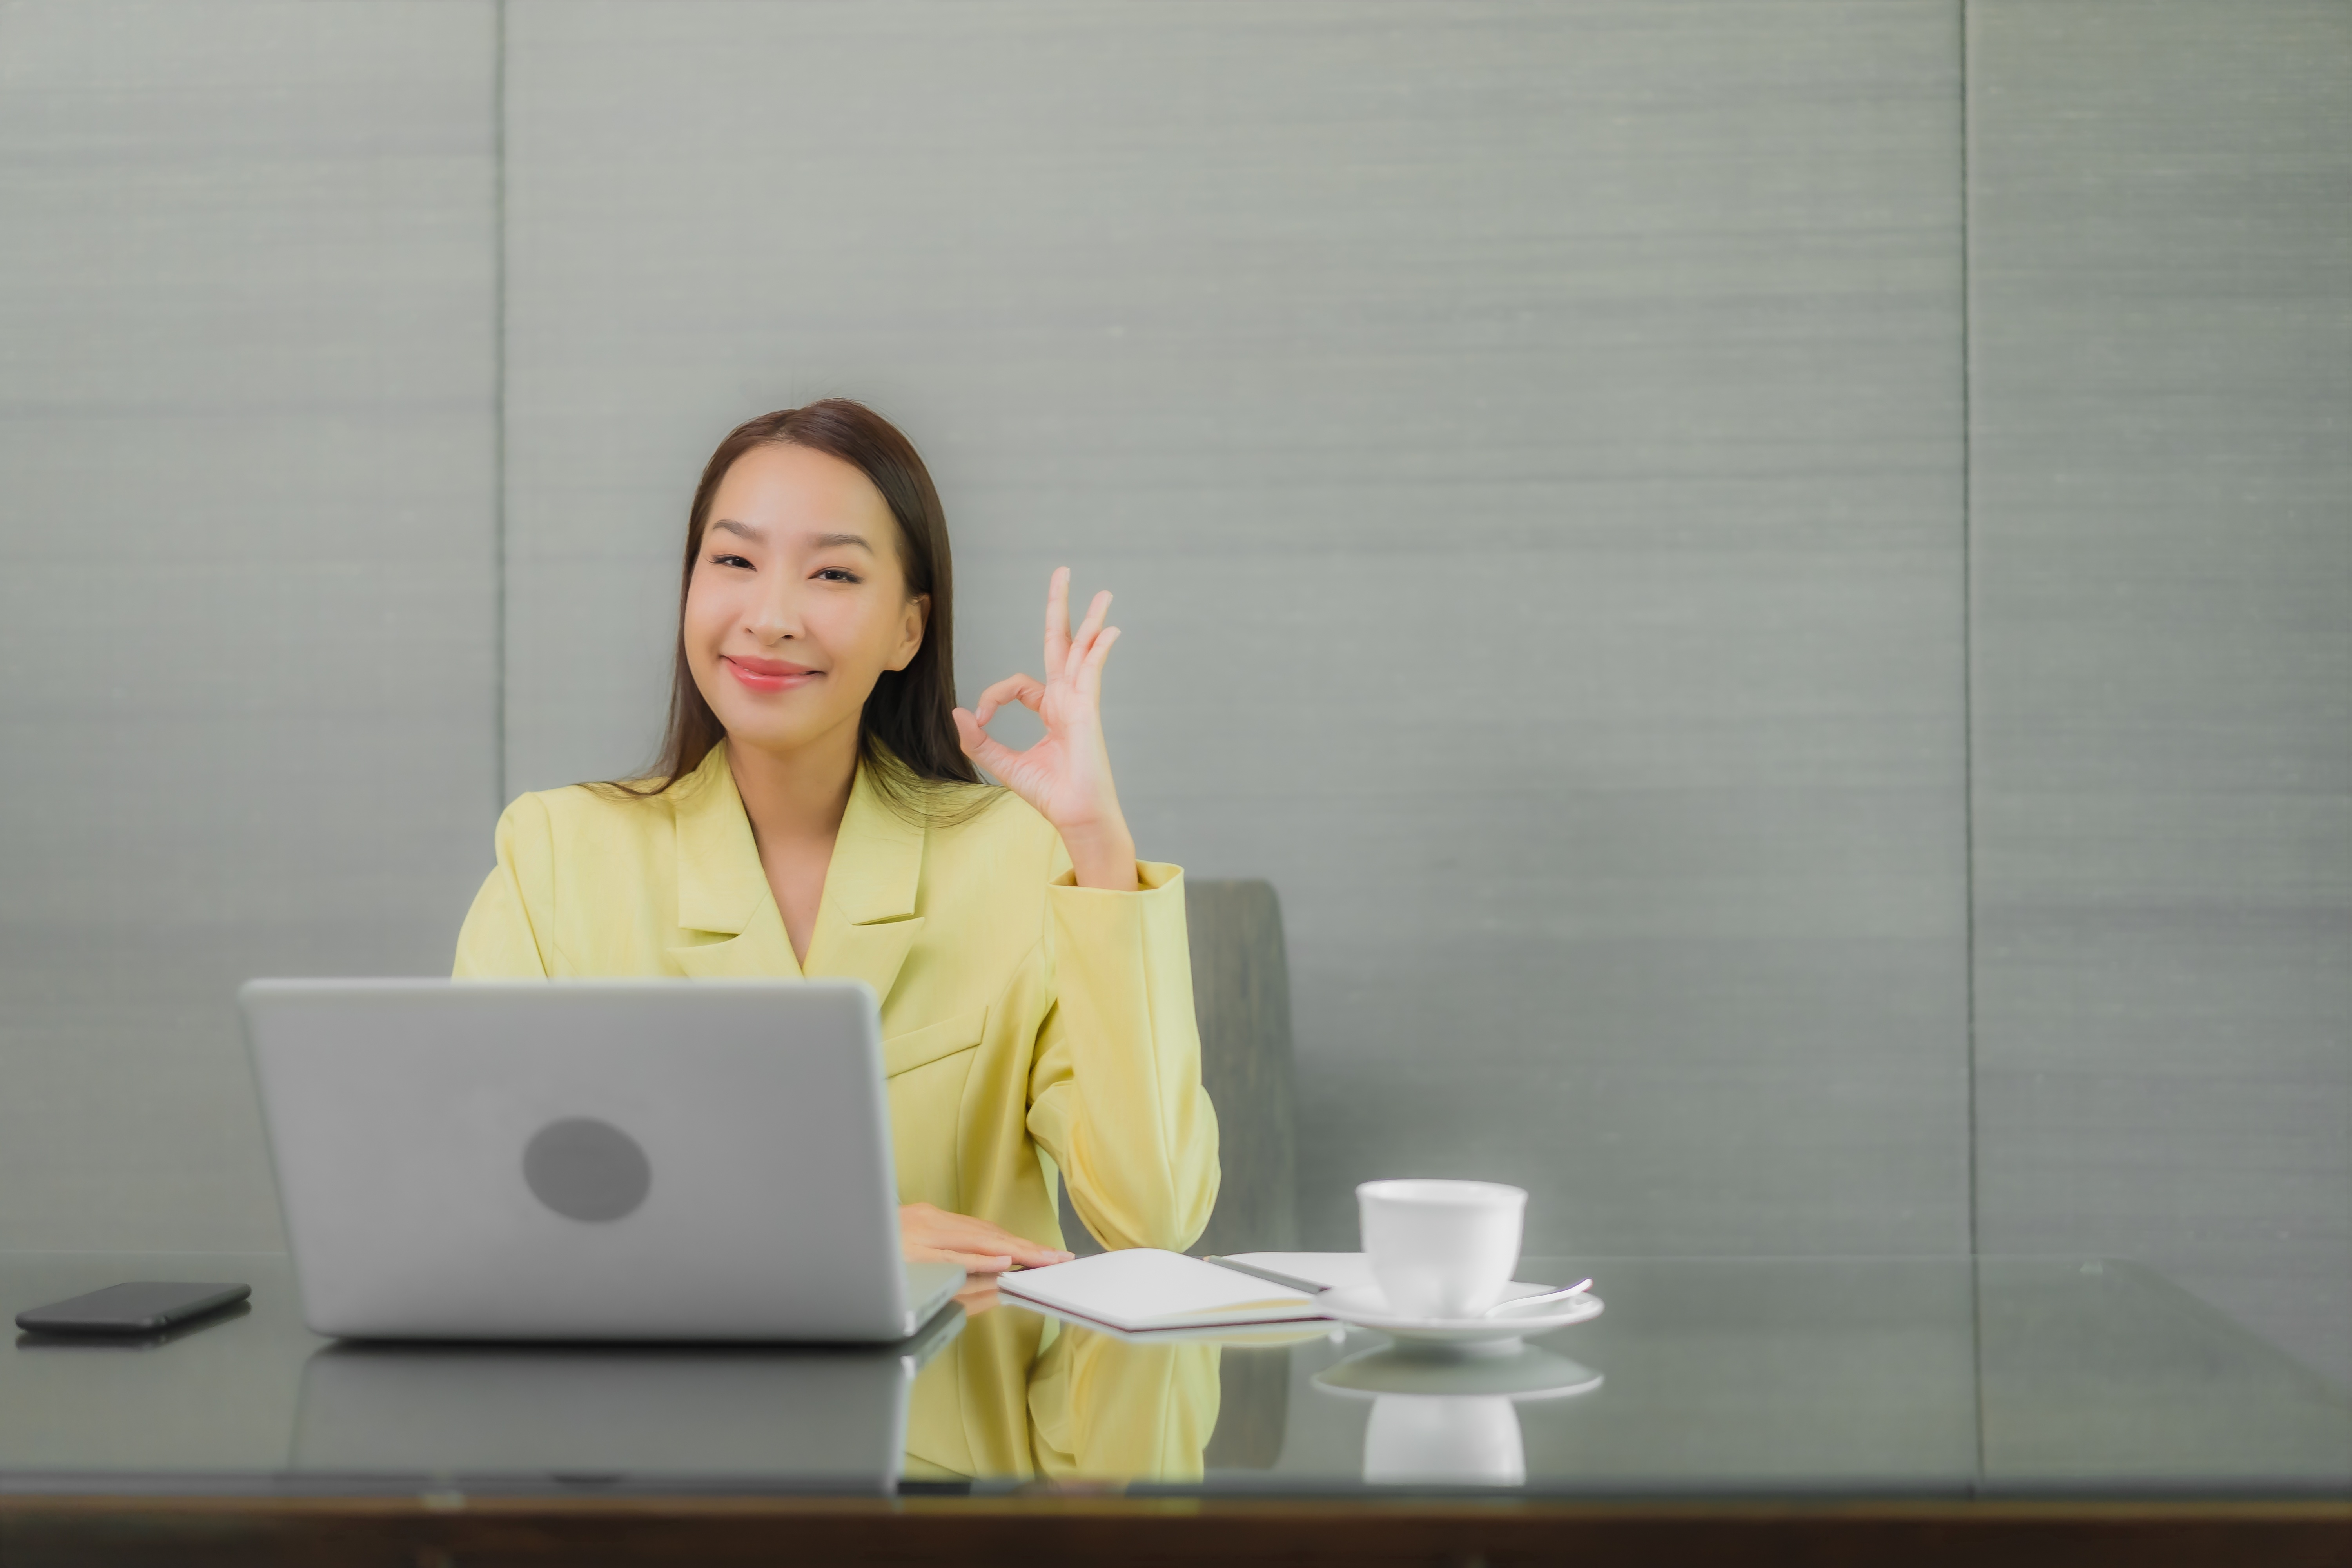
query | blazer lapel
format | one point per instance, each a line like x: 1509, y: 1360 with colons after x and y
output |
x: 721, y: 889
x: 867, y: 922
x: 763, y: 952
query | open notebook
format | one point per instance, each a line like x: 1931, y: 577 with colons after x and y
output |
x: 1142, y: 1288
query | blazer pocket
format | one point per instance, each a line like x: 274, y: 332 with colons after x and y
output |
x: 932, y: 1042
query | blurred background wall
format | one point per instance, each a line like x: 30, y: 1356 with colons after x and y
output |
x: 2161, y: 518
x: 1769, y: 580
x: 248, y: 565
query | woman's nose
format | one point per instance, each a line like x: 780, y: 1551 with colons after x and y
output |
x: 777, y: 616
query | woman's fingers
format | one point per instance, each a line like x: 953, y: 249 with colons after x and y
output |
x: 1065, y: 652
x: 970, y: 1262
x: 982, y: 1263
x: 1083, y: 643
x: 986, y: 1240
x: 930, y: 1234
x: 1027, y: 690
x: 1057, y: 617
x: 1089, y: 676
x: 966, y: 1233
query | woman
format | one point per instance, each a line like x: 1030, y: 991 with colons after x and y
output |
x: 817, y: 812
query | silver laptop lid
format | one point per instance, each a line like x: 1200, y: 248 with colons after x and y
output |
x: 582, y: 1160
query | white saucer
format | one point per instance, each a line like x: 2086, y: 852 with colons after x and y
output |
x: 1367, y: 1308
x: 1526, y: 1373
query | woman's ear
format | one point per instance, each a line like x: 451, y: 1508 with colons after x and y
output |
x: 910, y: 638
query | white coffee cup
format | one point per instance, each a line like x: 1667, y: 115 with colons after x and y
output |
x: 1441, y: 1250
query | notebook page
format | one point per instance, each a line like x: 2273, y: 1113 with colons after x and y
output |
x: 1142, y: 1287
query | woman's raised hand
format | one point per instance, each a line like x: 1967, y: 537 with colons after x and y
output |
x: 1066, y: 775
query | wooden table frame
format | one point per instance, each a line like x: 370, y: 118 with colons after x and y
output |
x: 1036, y: 1531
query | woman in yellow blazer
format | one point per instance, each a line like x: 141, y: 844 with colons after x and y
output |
x: 817, y: 812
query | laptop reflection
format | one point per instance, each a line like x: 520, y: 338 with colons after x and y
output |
x: 492, y: 1417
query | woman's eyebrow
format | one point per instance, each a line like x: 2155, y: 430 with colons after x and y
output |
x: 760, y: 536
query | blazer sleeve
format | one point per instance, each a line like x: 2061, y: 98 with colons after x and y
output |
x: 1114, y: 1090
x: 504, y: 934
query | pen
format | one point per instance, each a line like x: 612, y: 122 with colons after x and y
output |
x: 1273, y: 1275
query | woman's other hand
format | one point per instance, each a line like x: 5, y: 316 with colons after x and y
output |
x: 1066, y: 775
x: 930, y: 1234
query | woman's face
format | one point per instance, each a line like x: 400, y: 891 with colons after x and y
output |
x: 798, y: 601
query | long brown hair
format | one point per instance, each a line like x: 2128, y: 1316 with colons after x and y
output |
x: 907, y: 734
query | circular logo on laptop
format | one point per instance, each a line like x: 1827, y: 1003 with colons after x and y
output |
x: 587, y: 1169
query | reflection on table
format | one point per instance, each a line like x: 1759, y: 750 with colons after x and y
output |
x: 1451, y: 1419
x: 1019, y: 1396
x: 1921, y: 1376
x: 823, y: 1419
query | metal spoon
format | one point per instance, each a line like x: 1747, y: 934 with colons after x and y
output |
x: 1276, y: 1277
x: 1515, y: 1302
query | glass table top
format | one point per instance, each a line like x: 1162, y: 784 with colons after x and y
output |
x: 1704, y: 1377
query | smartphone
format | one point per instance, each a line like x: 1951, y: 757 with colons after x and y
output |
x: 142, y: 1306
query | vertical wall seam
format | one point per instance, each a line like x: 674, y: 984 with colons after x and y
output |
x: 498, y: 400
x: 1967, y: 741
x: 1968, y: 636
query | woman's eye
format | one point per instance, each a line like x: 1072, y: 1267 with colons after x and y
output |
x: 837, y: 575
x: 731, y: 560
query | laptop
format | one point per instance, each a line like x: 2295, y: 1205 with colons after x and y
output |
x: 667, y: 1159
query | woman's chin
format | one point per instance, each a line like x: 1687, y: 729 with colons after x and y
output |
x: 776, y: 735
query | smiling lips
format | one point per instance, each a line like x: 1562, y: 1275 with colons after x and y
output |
x: 769, y: 674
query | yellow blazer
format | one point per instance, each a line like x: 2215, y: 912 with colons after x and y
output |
x: 1021, y: 1013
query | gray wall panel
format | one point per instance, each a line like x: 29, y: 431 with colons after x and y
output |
x: 247, y: 565
x: 1526, y: 443
x: 2160, y: 212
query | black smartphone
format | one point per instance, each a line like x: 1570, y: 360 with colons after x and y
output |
x: 141, y: 1306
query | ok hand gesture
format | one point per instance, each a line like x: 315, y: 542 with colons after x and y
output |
x: 1066, y: 775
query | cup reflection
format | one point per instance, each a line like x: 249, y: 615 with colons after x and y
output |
x: 1451, y: 1420
x: 1447, y: 1439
